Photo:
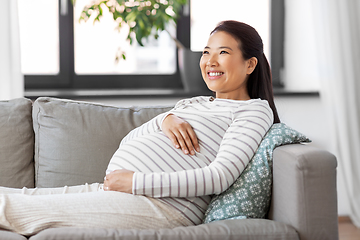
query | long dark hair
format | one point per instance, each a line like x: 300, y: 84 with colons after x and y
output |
x: 259, y: 84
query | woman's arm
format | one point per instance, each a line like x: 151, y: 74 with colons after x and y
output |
x: 236, y: 149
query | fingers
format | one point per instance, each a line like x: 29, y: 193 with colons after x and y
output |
x: 108, y: 180
x: 173, y: 139
x: 187, y: 144
x: 106, y: 187
x: 194, y: 140
x: 181, y: 134
x: 183, y: 141
x: 119, y: 180
x: 186, y: 140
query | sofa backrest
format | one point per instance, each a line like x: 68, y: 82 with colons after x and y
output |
x: 16, y: 144
x: 75, y: 140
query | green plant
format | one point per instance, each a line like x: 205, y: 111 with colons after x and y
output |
x: 144, y: 17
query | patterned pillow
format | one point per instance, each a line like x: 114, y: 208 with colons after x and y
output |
x: 250, y: 194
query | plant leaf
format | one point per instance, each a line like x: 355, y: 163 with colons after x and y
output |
x: 146, y: 22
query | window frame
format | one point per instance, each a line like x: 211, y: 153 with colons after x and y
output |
x: 67, y: 79
x: 277, y: 31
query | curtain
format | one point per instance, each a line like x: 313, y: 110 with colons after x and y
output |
x: 11, y: 79
x: 337, y: 24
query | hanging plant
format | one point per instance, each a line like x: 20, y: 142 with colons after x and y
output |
x: 144, y: 18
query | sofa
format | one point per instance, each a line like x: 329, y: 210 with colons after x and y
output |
x: 53, y: 142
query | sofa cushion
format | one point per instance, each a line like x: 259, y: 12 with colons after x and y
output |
x: 75, y: 140
x: 250, y: 194
x: 16, y: 144
x: 6, y: 235
x: 249, y: 229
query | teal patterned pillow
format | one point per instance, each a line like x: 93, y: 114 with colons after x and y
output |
x: 250, y: 194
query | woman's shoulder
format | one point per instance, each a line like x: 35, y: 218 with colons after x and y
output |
x: 255, y: 108
x: 239, y: 107
x: 258, y: 102
x: 232, y: 105
x: 244, y: 103
x: 194, y: 100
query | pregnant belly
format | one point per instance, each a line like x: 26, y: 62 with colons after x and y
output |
x: 154, y: 153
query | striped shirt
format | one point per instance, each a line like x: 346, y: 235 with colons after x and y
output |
x: 228, y: 131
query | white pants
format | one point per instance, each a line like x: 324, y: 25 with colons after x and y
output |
x: 28, y: 211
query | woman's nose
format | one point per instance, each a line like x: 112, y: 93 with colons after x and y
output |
x: 212, y: 61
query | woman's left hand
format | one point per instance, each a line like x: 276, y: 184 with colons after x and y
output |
x: 119, y: 180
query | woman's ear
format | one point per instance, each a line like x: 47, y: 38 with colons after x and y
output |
x: 252, y: 62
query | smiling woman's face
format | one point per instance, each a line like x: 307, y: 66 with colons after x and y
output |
x: 223, y: 67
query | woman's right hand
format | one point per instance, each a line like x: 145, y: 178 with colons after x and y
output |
x: 181, y: 134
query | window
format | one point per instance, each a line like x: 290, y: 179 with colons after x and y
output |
x: 205, y: 16
x: 58, y: 52
x: 97, y: 44
x: 40, y: 53
x: 266, y: 16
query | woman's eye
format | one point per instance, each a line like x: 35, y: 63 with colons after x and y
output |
x: 223, y: 52
x: 205, y: 52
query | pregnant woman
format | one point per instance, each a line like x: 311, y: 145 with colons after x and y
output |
x: 164, y: 172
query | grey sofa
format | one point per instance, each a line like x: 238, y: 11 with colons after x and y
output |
x: 48, y: 142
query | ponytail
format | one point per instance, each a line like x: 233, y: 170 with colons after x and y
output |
x: 259, y: 85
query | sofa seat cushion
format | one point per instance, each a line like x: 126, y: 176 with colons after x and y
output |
x: 16, y: 144
x: 244, y: 229
x: 75, y: 140
x: 6, y: 235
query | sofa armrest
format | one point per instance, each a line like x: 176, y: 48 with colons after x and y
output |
x: 304, y: 191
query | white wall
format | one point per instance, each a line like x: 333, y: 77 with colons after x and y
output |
x: 301, y: 68
x: 309, y: 116
x: 301, y: 73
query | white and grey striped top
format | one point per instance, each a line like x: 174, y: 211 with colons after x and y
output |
x: 229, y: 132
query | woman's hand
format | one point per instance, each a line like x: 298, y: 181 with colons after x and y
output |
x: 119, y: 180
x: 181, y: 134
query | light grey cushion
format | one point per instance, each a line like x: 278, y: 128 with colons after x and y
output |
x: 248, y: 229
x: 75, y: 140
x: 16, y: 144
x: 6, y: 235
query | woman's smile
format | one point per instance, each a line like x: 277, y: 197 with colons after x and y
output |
x: 212, y: 75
